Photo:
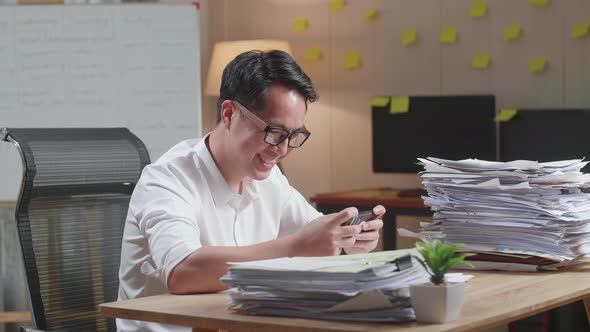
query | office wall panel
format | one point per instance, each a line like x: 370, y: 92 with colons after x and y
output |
x: 415, y: 68
x: 473, y: 36
x: 542, y: 36
x: 577, y: 55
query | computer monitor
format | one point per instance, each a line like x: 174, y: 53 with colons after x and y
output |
x: 450, y: 127
x: 546, y: 135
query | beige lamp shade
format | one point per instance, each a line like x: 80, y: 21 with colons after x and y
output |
x: 224, y: 52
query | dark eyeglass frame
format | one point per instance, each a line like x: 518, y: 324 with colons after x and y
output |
x: 267, y: 129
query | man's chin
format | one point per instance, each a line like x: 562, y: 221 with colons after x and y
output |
x: 261, y: 175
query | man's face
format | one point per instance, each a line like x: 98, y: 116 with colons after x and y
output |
x: 284, y: 108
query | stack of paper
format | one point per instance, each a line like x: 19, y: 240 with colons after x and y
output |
x: 367, y: 287
x: 524, y: 212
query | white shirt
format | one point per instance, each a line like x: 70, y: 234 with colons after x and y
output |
x: 181, y: 203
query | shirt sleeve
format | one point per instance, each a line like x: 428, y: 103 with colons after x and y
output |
x: 165, y: 208
x: 295, y: 209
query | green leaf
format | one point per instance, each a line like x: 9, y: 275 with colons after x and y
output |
x: 439, y: 257
x: 446, y: 253
x: 423, y: 265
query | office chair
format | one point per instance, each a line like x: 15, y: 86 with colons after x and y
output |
x: 70, y: 217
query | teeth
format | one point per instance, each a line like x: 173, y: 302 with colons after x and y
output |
x: 267, y: 161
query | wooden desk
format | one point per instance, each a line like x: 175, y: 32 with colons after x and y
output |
x: 7, y: 205
x: 492, y: 299
x: 367, y: 199
x: 15, y: 317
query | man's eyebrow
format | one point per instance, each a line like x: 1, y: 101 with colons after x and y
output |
x: 277, y: 125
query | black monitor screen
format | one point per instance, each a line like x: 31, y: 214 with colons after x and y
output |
x: 546, y: 135
x: 450, y: 127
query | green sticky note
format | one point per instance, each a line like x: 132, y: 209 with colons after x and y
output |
x: 352, y: 60
x: 448, y: 35
x: 580, y: 30
x: 299, y: 24
x: 478, y: 9
x: 512, y: 32
x: 409, y: 37
x: 540, y: 3
x: 313, y: 54
x: 379, y: 101
x: 538, y: 65
x: 336, y: 5
x: 481, y: 61
x: 370, y: 15
x: 506, y: 114
x: 399, y: 104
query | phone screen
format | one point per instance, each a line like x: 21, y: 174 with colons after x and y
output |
x: 360, y: 218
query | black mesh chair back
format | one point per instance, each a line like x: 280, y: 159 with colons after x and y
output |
x: 70, y: 217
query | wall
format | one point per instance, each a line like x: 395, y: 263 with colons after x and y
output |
x: 338, y: 156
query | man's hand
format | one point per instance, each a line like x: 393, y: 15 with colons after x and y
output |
x: 325, y: 236
x: 368, y: 239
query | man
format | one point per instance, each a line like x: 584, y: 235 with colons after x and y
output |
x: 222, y: 198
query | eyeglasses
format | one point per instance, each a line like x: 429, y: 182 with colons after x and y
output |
x: 275, y: 135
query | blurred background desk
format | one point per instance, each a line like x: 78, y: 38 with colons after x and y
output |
x: 14, y: 307
x: 366, y: 199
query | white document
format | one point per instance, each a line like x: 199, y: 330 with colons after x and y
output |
x: 290, y: 264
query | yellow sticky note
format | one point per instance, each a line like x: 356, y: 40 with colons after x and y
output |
x: 313, y: 54
x: 370, y: 15
x: 538, y: 65
x: 540, y: 3
x: 409, y: 37
x: 399, y: 104
x: 448, y: 35
x: 300, y: 24
x: 481, y: 61
x: 336, y: 5
x: 352, y: 60
x: 379, y: 101
x: 580, y: 30
x: 512, y: 32
x: 506, y: 114
x: 478, y: 9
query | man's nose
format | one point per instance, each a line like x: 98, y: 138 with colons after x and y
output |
x: 283, y: 148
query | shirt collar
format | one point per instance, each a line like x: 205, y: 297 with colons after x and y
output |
x: 220, y: 190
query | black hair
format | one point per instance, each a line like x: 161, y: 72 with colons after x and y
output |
x: 249, y: 76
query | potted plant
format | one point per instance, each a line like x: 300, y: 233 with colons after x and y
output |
x: 438, y: 301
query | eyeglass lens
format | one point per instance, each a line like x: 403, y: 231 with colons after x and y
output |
x: 276, y: 136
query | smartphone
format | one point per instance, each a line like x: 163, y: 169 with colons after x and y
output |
x: 360, y: 218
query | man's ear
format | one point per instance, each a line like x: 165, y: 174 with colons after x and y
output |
x: 228, y: 110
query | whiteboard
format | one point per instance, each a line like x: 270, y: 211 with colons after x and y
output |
x: 134, y: 66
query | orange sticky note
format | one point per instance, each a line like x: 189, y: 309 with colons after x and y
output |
x: 300, y: 24
x: 512, y: 32
x: 448, y: 35
x: 538, y: 65
x: 399, y: 104
x: 409, y: 37
x: 481, y: 61
x: 352, y: 60
x: 478, y: 9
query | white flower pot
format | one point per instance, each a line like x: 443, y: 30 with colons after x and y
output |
x: 437, y: 304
